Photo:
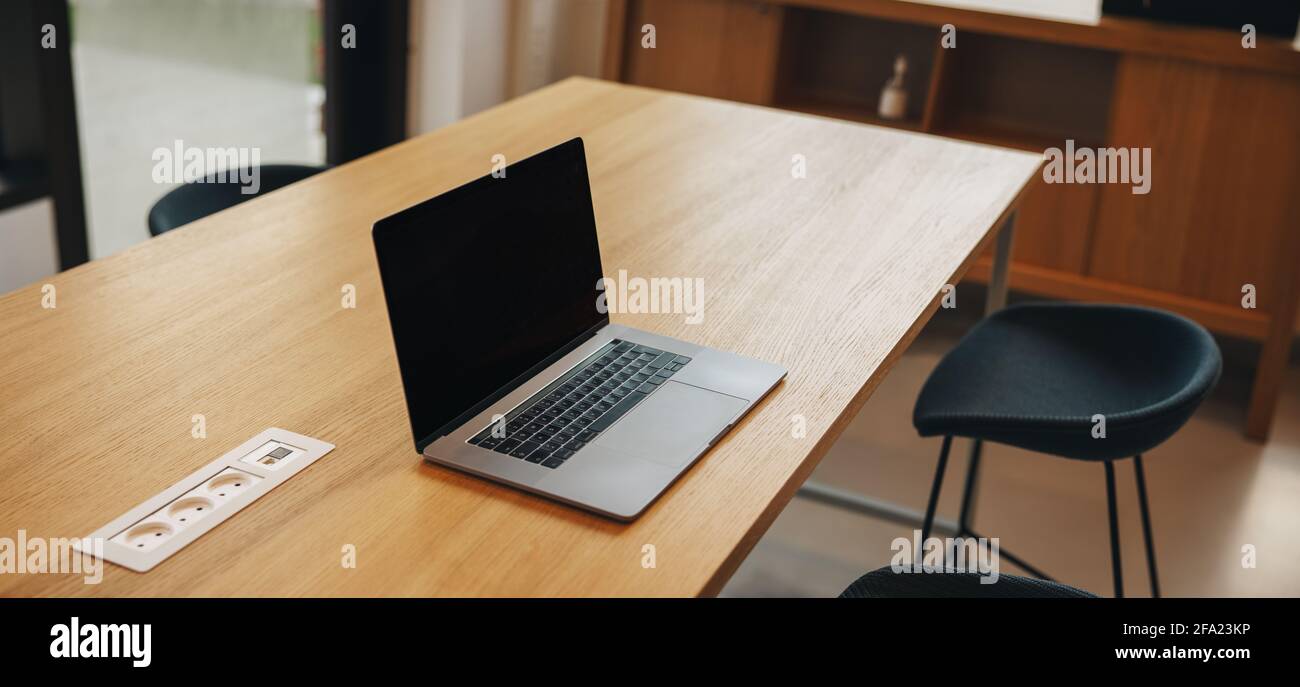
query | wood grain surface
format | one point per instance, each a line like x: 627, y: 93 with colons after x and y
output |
x: 238, y: 317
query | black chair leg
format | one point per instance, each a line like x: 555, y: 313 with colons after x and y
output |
x: 1114, y: 530
x: 1146, y: 525
x: 968, y: 493
x: 964, y: 528
x: 934, y: 494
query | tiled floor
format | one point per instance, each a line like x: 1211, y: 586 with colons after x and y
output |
x: 1211, y: 490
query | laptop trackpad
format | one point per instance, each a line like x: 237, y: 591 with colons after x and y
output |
x: 674, y: 424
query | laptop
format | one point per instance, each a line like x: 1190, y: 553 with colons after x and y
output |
x: 511, y: 367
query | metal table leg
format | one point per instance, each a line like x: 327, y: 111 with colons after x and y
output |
x: 995, y: 299
x: 997, y: 293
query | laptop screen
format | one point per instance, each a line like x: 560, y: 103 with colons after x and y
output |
x: 488, y: 283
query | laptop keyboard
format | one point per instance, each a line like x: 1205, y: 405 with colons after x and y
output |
x: 572, y: 411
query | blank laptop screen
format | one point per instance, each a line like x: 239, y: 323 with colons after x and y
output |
x: 488, y: 282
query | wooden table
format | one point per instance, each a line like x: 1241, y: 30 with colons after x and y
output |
x: 238, y: 317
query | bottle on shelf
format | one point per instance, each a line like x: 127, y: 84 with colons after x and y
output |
x: 893, y: 98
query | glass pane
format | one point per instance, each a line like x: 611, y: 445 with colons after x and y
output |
x: 153, y: 75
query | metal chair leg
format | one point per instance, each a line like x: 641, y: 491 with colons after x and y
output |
x: 968, y: 493
x: 1146, y: 524
x: 1114, y: 530
x: 934, y: 493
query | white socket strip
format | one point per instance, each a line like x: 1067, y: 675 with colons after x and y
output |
x: 154, y: 530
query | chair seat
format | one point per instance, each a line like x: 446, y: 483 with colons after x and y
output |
x: 933, y: 584
x: 1035, y: 375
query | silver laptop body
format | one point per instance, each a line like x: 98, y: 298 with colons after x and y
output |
x: 605, y: 422
x: 629, y: 464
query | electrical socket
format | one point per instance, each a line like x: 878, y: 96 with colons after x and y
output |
x: 229, y: 483
x: 145, y: 536
x: 186, y: 511
x: 148, y: 534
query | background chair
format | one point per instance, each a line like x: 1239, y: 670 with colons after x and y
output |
x: 884, y: 583
x: 1089, y: 382
x: 194, y: 201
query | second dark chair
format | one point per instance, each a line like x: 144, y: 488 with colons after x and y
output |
x: 946, y: 583
x: 194, y: 201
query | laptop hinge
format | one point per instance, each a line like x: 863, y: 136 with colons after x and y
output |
x: 513, y: 384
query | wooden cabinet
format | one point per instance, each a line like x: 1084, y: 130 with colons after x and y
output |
x: 1222, y: 123
x: 1224, y: 208
x: 719, y: 48
x: 1224, y: 184
x: 1054, y: 225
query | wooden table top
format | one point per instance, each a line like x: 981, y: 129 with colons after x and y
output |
x: 238, y: 317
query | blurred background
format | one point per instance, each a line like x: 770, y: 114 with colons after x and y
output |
x: 252, y: 73
x: 89, y: 89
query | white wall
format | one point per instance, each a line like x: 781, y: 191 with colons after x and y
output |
x: 28, y: 250
x: 556, y: 39
x: 458, y: 59
x: 468, y: 55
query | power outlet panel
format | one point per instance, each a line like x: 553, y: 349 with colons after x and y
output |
x: 151, y: 532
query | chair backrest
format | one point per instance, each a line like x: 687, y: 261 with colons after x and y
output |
x: 196, y: 200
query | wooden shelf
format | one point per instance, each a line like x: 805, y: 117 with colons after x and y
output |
x: 853, y: 111
x: 1040, y: 281
x: 991, y: 133
x: 1114, y: 34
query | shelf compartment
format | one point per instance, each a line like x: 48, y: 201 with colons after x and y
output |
x: 856, y: 111
x: 836, y: 65
x: 1025, y: 94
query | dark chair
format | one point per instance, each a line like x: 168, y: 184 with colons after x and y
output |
x: 197, y: 200
x: 1055, y: 377
x: 949, y: 584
